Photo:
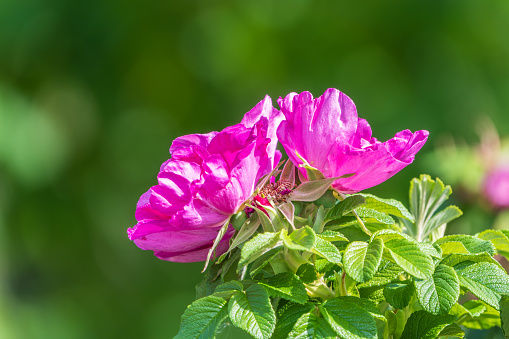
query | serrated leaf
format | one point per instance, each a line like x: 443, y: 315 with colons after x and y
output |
x: 264, y: 260
x: 345, y: 206
x: 424, y: 325
x: 257, y: 246
x: 311, y: 190
x: 406, y: 252
x: 439, y: 293
x: 211, y: 279
x: 452, y: 330
x: 366, y: 304
x: 332, y: 236
x: 430, y: 249
x: 327, y: 250
x: 251, y: 311
x: 487, y: 319
x: 286, y: 285
x: 309, y: 326
x: 202, y: 318
x: 485, y: 280
x: 307, y: 273
x: 227, y: 289
x: 302, y: 239
x: 452, y: 247
x: 504, y: 314
x: 287, y: 316
x: 498, y: 239
x: 388, y: 206
x: 361, y: 260
x: 471, y: 243
x: 454, y: 259
x: 398, y: 295
x: 381, y: 217
x: 473, y: 311
x: 387, y: 272
x: 349, y: 320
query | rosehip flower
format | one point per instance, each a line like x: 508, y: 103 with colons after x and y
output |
x: 496, y: 186
x: 207, y: 180
x: 327, y: 133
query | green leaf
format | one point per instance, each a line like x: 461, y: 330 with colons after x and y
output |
x: 452, y: 247
x: 366, y: 304
x: 286, y: 285
x: 307, y: 273
x: 374, y: 214
x: 287, y: 316
x: 485, y: 280
x: 426, y: 196
x: 319, y: 220
x: 387, y: 272
x: 498, y: 239
x: 227, y: 289
x: 247, y: 230
x: 327, y: 250
x: 471, y: 243
x: 327, y: 200
x: 430, y: 249
x: 454, y: 259
x: 398, y: 295
x: 504, y: 314
x: 332, y: 236
x: 349, y: 320
x: 452, y: 330
x: 251, y: 311
x: 439, y: 293
x: 361, y: 260
x: 302, y: 239
x: 202, y: 318
x: 406, y: 252
x: 345, y: 206
x: 388, y: 206
x: 392, y: 324
x: 471, y: 308
x: 257, y: 246
x: 309, y: 326
x: 264, y: 260
x: 487, y: 319
x: 445, y: 216
x: 424, y: 325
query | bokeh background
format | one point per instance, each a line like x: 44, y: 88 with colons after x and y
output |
x: 93, y: 92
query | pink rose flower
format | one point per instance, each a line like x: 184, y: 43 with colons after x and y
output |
x: 328, y: 134
x: 496, y: 186
x: 207, y: 179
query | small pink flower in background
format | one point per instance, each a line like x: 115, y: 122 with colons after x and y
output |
x: 496, y: 186
x: 207, y: 179
x: 328, y: 134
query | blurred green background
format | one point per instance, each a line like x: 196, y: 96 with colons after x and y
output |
x: 93, y: 92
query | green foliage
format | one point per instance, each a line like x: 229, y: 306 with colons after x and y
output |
x: 361, y: 260
x: 202, y: 318
x: 424, y: 325
x: 251, y: 311
x: 324, y: 276
x: 440, y: 292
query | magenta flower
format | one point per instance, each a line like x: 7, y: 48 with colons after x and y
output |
x: 496, y: 186
x: 328, y: 134
x: 207, y: 179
